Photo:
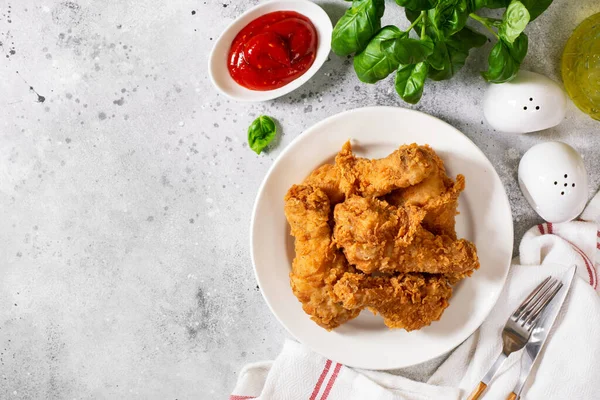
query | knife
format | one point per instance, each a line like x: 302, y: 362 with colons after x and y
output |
x: 541, y: 331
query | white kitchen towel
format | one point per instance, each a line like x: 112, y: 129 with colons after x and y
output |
x: 566, y: 369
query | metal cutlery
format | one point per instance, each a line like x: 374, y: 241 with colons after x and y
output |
x: 519, y: 326
x: 541, y: 331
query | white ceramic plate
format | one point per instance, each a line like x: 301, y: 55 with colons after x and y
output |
x: 217, y: 63
x: 485, y: 218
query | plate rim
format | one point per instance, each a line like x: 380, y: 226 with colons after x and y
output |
x: 305, y: 133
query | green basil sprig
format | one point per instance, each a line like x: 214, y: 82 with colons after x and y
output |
x: 405, y: 50
x: 373, y: 63
x: 449, y: 16
x: 478, y: 4
x: 505, y: 60
x: 514, y: 21
x: 357, y: 26
x: 443, y: 41
x: 536, y: 7
x: 453, y: 53
x: 410, y: 81
x: 261, y: 132
x: 417, y: 5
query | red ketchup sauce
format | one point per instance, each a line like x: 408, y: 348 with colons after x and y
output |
x: 273, y: 50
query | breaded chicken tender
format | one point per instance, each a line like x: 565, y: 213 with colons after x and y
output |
x: 407, y: 166
x: 327, y: 178
x: 378, y: 237
x: 438, y: 195
x: 318, y: 264
x: 409, y: 301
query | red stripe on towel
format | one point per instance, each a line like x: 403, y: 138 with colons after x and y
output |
x: 331, y: 381
x: 315, y: 392
x: 591, y: 270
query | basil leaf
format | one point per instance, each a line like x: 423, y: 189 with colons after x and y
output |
x: 405, y: 50
x: 410, y: 81
x: 505, y: 60
x: 450, y: 55
x: 417, y: 5
x: 412, y: 15
x: 261, y: 132
x: 466, y: 39
x: 356, y: 27
x: 449, y: 16
x: 373, y: 63
x: 514, y: 21
x: 477, y: 4
x: 439, y: 57
x: 536, y: 7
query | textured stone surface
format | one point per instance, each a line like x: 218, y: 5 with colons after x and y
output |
x: 125, y: 196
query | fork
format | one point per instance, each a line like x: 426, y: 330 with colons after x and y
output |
x: 518, y: 328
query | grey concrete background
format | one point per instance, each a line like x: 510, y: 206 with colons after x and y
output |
x: 125, y: 196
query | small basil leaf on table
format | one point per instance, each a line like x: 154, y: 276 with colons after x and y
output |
x: 405, y: 50
x: 505, y: 60
x: 536, y: 7
x: 514, y: 21
x: 373, y: 63
x: 416, y: 5
x: 452, y: 53
x: 410, y: 81
x: 357, y: 26
x: 449, y: 16
x: 261, y: 132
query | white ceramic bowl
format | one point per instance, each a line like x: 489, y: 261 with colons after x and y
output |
x: 217, y: 63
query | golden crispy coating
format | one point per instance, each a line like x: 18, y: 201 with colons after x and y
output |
x: 397, y: 255
x: 327, y: 178
x: 406, y: 166
x: 367, y: 229
x: 429, y: 188
x: 410, y: 301
x: 377, y: 237
x: 442, y: 210
x: 318, y: 264
x: 438, y: 195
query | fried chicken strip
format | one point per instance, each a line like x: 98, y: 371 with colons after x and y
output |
x: 327, y: 178
x: 409, y: 301
x: 376, y: 236
x: 442, y: 210
x: 406, y: 166
x: 318, y: 264
x: 434, y: 185
x: 438, y: 195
